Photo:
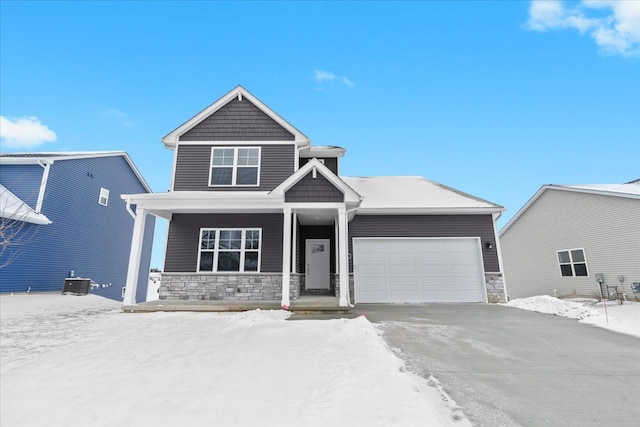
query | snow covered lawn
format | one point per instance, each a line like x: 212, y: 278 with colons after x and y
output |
x: 621, y: 318
x: 79, y: 361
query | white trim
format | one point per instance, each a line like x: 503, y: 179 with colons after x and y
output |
x: 294, y: 243
x: 475, y: 238
x: 104, y: 194
x: 542, y: 189
x: 350, y: 195
x: 216, y: 250
x: 43, y: 185
x: 174, y: 166
x: 572, y: 262
x: 173, y: 137
x: 51, y: 157
x: 427, y: 211
x: 234, y: 167
x: 237, y: 143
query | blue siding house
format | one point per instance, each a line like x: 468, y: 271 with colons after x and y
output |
x: 68, y: 219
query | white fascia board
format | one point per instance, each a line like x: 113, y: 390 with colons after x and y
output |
x: 428, y: 211
x: 234, y: 143
x: 26, y: 161
x: 172, y: 138
x: 350, y: 195
x: 593, y: 191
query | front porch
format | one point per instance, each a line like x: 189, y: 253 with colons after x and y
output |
x: 304, y: 304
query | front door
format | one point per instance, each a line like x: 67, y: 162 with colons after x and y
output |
x: 317, y: 263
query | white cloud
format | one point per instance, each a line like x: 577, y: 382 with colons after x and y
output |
x: 121, y: 116
x: 24, y: 132
x: 613, y: 24
x: 324, y: 76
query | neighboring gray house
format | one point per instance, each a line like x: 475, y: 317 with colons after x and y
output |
x: 566, y: 234
x: 258, y: 213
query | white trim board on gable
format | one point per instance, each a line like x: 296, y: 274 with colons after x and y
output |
x: 171, y: 139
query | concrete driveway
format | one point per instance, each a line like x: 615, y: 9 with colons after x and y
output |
x: 508, y: 367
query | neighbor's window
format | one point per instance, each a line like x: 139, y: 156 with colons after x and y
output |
x: 572, y: 262
x: 234, y: 166
x: 104, y: 197
x: 226, y: 249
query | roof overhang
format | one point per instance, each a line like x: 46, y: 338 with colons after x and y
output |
x: 171, y: 140
x: 429, y: 211
x: 322, y: 151
x: 48, y: 158
x: 573, y: 189
x: 13, y: 208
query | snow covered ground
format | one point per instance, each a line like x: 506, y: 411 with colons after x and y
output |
x: 620, y: 318
x: 79, y: 361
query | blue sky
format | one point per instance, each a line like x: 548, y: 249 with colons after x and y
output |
x: 493, y: 98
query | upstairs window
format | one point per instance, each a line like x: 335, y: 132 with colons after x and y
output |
x: 229, y: 250
x: 235, y: 166
x: 572, y: 263
x: 103, y: 199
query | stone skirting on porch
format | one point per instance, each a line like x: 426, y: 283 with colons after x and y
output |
x: 495, y: 288
x: 226, y: 287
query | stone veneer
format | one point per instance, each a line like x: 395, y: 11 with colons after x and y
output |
x: 226, y: 287
x: 495, y: 287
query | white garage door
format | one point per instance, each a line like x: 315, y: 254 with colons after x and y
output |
x: 418, y: 270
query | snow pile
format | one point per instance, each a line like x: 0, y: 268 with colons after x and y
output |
x: 623, y: 318
x: 64, y: 364
x: 550, y: 305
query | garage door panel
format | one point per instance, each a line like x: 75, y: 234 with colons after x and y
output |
x: 418, y: 270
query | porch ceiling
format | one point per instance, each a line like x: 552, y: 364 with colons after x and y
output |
x: 316, y: 216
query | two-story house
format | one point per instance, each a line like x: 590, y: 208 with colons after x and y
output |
x: 62, y: 216
x: 259, y: 213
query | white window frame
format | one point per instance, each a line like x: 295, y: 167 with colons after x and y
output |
x: 235, y: 166
x: 104, y: 194
x: 571, y: 262
x: 216, y: 251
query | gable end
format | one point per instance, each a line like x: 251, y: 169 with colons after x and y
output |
x: 238, y: 121
x: 310, y: 189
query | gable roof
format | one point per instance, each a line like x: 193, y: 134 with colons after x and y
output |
x: 350, y: 195
x: 15, y: 209
x: 50, y: 157
x: 239, y: 92
x: 415, y: 195
x: 629, y: 190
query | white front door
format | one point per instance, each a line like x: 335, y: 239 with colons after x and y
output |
x: 317, y: 254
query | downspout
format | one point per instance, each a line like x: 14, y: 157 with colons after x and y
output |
x: 131, y: 212
x: 347, y: 222
x: 43, y: 183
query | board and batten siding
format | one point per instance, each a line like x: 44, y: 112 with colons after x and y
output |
x: 92, y: 240
x: 184, y: 237
x: 193, y: 164
x: 238, y: 121
x: 310, y: 189
x: 607, y: 227
x: 23, y: 181
x: 428, y: 226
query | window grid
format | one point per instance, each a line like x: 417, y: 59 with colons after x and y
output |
x: 572, y: 262
x: 235, y: 166
x: 229, y: 250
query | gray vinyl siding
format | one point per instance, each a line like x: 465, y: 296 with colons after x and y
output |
x: 330, y: 162
x: 194, y: 162
x: 310, y: 189
x: 607, y: 227
x: 184, y: 236
x: 238, y: 121
x: 428, y: 226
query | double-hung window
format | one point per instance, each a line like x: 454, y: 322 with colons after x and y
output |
x: 572, y: 262
x: 226, y: 249
x: 235, y: 166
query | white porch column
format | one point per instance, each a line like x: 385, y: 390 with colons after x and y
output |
x: 133, y: 272
x: 286, y: 258
x: 343, y: 237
